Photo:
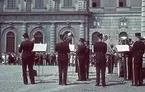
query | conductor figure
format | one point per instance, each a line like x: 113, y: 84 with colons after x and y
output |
x: 26, y: 48
x: 100, y: 49
x: 62, y: 48
x: 137, y: 52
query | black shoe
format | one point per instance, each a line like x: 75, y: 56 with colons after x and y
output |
x: 65, y: 84
x: 104, y: 85
x: 97, y: 85
x: 134, y: 85
x: 60, y: 84
x: 26, y: 83
x: 78, y: 80
x: 32, y: 82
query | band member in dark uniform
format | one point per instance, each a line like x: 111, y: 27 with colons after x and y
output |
x: 137, y: 52
x: 26, y: 48
x: 47, y: 59
x: 100, y: 49
x: 81, y: 50
x: 129, y: 63
x: 87, y: 59
x: 62, y: 48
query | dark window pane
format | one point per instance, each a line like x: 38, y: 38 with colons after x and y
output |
x: 122, y: 3
x: 94, y: 5
x: 39, y: 3
x: 38, y: 37
x: 11, y: 4
x: 10, y: 42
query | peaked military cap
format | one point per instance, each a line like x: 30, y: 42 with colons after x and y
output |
x: 61, y: 36
x: 100, y: 36
x: 82, y: 39
x: 25, y: 35
x: 138, y: 34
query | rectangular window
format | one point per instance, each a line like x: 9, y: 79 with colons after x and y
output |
x: 95, y: 3
x: 122, y: 3
x: 67, y: 3
x: 39, y: 3
x: 11, y: 4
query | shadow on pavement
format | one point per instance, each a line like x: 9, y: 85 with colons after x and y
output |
x: 78, y: 83
x: 113, y: 84
x: 41, y: 82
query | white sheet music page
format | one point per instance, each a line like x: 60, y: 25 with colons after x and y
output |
x: 40, y: 47
x: 122, y: 48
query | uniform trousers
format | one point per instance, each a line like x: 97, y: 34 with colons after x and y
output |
x: 87, y: 67
x: 81, y: 68
x: 137, y: 74
x: 110, y: 63
x: 27, y: 62
x: 100, y: 67
x: 63, y: 67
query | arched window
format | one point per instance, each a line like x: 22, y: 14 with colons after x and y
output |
x: 67, y: 3
x: 94, y: 37
x: 39, y: 3
x: 38, y: 37
x: 10, y: 42
x: 11, y: 4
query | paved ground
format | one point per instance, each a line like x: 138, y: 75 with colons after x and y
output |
x: 11, y: 81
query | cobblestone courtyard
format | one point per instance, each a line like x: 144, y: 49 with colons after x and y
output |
x: 11, y: 81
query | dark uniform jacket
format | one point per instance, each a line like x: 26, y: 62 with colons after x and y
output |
x: 137, y: 51
x: 100, y: 49
x: 63, y: 49
x: 81, y: 50
x: 27, y: 47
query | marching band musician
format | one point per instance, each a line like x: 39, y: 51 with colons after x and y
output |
x: 81, y: 50
x: 87, y: 58
x: 100, y: 49
x: 129, y: 62
x: 26, y: 48
x: 109, y: 54
x: 137, y: 52
x: 62, y: 48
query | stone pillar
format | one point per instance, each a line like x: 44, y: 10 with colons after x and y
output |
x: 90, y: 3
x: 23, y: 30
x: 1, y: 5
x: 82, y: 32
x: 0, y: 42
x: 52, y: 37
x: 23, y: 5
x: 143, y: 18
x: 28, y: 5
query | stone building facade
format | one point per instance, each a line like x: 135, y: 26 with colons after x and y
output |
x: 46, y: 19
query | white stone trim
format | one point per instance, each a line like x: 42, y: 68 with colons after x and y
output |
x: 117, y: 3
x: 101, y: 3
x: 128, y: 3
